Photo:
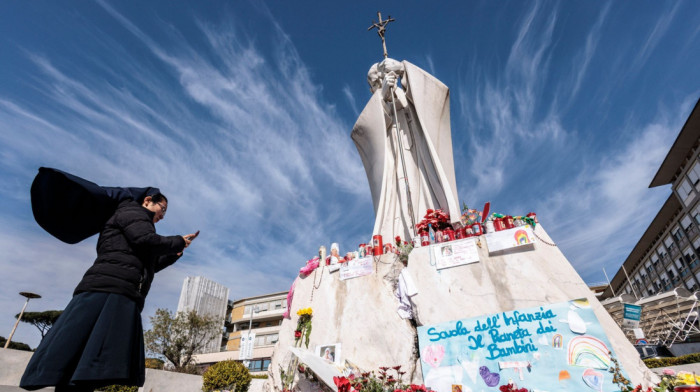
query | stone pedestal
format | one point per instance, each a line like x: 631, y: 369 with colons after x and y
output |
x: 361, y: 315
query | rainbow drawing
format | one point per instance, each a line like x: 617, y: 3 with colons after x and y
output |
x: 521, y: 237
x: 557, y: 341
x: 588, y: 351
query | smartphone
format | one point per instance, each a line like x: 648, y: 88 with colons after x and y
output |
x: 193, y: 236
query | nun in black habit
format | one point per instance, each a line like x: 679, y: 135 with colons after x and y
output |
x: 98, y: 340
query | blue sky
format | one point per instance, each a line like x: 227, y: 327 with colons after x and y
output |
x: 241, y: 113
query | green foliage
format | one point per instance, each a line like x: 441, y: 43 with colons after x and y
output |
x: 15, y: 345
x: 155, y: 363
x: 287, y: 377
x: 261, y: 376
x: 177, y: 337
x: 674, y: 361
x: 228, y: 375
x: 119, y: 388
x: 42, y: 320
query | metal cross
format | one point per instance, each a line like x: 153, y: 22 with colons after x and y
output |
x: 381, y: 29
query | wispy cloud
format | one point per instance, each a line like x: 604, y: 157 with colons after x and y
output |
x: 588, y: 194
x: 501, y: 109
x: 351, y: 99
x: 608, y: 204
x: 655, y: 35
x: 232, y: 147
x: 583, y: 59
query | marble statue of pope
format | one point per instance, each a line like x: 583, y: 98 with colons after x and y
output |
x: 423, y: 116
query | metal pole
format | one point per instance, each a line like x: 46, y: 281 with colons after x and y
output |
x: 403, y: 164
x: 7, y: 343
x: 246, y: 362
x: 609, y: 285
x: 630, y: 282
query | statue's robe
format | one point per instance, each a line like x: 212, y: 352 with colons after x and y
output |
x: 424, y: 126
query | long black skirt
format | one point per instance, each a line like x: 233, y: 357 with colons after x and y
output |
x: 97, y: 341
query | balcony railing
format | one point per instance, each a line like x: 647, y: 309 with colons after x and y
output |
x: 692, y: 231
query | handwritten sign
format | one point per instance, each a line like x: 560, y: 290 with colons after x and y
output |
x: 511, y: 238
x: 454, y: 253
x: 356, y: 268
x: 558, y: 347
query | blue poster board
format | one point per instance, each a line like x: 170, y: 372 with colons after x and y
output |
x: 631, y: 316
x: 557, y: 347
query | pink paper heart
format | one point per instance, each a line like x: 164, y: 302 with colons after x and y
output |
x: 434, y: 354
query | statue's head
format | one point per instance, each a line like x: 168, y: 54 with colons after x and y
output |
x: 374, y: 78
x: 391, y: 65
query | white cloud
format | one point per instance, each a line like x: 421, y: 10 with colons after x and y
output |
x: 241, y: 143
x: 655, y: 35
x: 351, y: 99
x: 600, y: 214
x: 501, y: 109
x: 583, y: 59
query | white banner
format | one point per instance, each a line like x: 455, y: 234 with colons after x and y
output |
x: 356, y: 267
x: 247, y: 344
x: 454, y: 253
x: 511, y: 238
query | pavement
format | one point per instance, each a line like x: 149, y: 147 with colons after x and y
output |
x: 689, y: 367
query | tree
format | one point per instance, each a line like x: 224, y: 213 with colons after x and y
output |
x: 154, y: 363
x: 178, y: 337
x: 42, y: 320
x: 226, y: 375
x: 15, y: 345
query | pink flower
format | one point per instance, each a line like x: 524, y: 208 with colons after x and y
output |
x: 669, y: 372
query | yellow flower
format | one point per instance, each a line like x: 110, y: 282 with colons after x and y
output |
x: 686, y: 378
x: 306, y: 311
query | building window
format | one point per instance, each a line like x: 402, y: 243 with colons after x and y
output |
x: 685, y: 191
x: 677, y: 234
x: 691, y: 259
x: 244, y: 326
x: 661, y: 251
x: 259, y: 365
x: 694, y: 174
x: 668, y: 242
x: 266, y: 340
x: 686, y: 222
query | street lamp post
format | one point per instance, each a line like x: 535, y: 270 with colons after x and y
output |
x: 28, y: 296
x: 246, y: 361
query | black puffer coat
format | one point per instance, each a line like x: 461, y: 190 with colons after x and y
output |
x: 129, y: 253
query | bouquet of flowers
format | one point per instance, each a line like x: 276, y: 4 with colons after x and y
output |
x: 470, y: 217
x: 385, y: 381
x: 438, y: 219
x: 403, y: 249
x: 303, y: 326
